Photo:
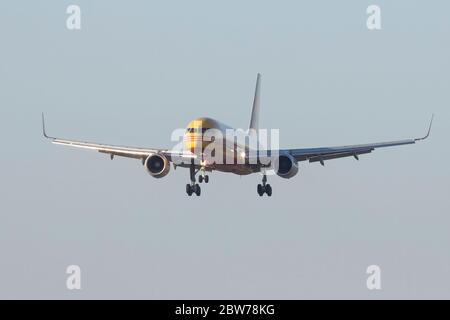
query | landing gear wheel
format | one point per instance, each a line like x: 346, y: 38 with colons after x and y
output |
x: 268, y: 190
x: 264, y: 187
x: 197, y: 189
x: 189, y: 190
x: 200, y: 179
x: 260, y: 190
x: 206, y: 179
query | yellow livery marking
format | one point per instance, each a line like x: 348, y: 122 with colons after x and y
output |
x: 194, y: 133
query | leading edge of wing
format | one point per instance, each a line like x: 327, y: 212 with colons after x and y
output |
x: 134, y: 152
x: 307, y: 153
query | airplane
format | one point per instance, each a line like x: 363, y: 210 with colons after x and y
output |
x: 253, y: 159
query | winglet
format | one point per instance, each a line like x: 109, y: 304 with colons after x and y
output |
x: 429, y: 130
x: 43, y: 128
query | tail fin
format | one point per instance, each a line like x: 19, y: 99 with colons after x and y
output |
x: 254, y: 120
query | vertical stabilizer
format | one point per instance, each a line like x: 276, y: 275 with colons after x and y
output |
x: 254, y: 120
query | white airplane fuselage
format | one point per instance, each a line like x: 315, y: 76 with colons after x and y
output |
x: 207, y: 138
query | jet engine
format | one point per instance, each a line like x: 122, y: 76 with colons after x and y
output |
x: 157, y: 165
x: 287, y: 166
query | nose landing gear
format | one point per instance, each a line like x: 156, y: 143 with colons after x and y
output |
x: 264, y: 188
x: 203, y: 177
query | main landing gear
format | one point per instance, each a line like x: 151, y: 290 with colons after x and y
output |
x: 264, y: 188
x: 193, y: 187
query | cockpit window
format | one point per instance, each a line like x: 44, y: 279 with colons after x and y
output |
x: 196, y: 130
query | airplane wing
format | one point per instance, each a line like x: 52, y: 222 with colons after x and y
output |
x: 328, y: 153
x: 114, y: 150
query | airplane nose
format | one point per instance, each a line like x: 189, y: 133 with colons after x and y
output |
x: 192, y: 141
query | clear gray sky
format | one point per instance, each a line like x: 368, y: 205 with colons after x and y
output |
x: 139, y: 69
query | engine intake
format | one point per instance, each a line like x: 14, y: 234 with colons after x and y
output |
x: 157, y: 165
x: 287, y: 166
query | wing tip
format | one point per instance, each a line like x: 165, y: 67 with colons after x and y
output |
x: 44, y: 132
x: 429, y: 130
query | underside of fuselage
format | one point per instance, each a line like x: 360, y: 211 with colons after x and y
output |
x: 239, y: 169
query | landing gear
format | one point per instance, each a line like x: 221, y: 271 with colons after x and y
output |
x: 264, y: 188
x: 260, y: 190
x: 190, y: 189
x: 204, y: 178
x: 194, y: 187
x: 269, y: 190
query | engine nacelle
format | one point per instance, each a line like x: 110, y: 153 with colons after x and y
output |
x: 287, y: 166
x: 157, y: 165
